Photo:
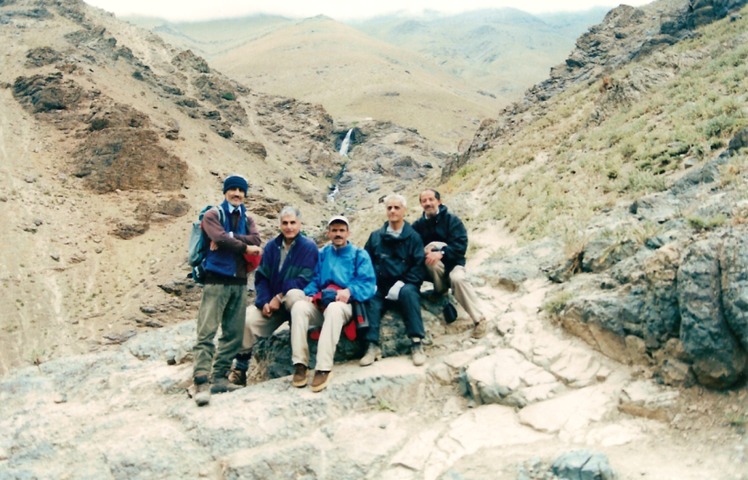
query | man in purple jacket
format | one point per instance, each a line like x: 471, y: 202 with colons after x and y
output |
x: 286, y: 267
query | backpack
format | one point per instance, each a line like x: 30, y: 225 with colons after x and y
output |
x: 199, y: 242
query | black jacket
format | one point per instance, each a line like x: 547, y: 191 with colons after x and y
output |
x: 447, y: 228
x: 396, y: 258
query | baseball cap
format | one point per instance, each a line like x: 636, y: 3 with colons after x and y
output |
x: 339, y: 219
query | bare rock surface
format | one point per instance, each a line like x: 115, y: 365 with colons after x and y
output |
x: 477, y: 409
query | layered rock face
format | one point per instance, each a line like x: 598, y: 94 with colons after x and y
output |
x: 675, y: 297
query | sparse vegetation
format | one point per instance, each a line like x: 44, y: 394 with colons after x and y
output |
x: 737, y: 420
x: 557, y: 303
x: 690, y: 102
x: 384, y: 405
x: 701, y: 224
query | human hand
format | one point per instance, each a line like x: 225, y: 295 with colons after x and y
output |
x: 434, y: 257
x: 343, y: 295
x: 274, y: 303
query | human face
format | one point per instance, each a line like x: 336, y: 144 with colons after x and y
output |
x: 429, y: 203
x: 338, y: 233
x: 395, y: 212
x: 235, y: 196
x: 290, y: 226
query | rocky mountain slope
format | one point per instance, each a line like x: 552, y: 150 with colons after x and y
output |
x: 458, y: 69
x: 115, y: 141
x: 660, y: 229
x: 586, y: 216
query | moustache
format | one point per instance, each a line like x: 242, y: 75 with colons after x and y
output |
x: 337, y: 238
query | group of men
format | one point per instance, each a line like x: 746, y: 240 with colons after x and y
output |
x: 296, y: 282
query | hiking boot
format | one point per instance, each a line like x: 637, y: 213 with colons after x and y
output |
x: 222, y: 385
x: 238, y: 377
x: 299, y: 376
x: 480, y: 329
x: 319, y: 382
x: 202, y: 390
x: 416, y: 353
x: 373, y: 353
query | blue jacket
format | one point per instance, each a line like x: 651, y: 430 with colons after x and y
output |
x: 347, y: 267
x: 296, y: 272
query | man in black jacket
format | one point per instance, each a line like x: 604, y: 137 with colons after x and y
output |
x: 446, y: 242
x: 396, y: 251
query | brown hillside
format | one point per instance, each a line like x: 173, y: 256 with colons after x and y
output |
x: 356, y: 77
x: 111, y: 143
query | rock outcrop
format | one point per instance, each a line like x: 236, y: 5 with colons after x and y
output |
x: 674, y: 296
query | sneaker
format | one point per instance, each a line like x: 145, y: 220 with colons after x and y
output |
x: 238, y: 377
x: 299, y: 376
x: 222, y: 385
x: 480, y: 329
x: 416, y: 353
x: 373, y: 353
x: 202, y: 390
x: 319, y: 382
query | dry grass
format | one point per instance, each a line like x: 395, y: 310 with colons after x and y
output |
x: 684, y: 103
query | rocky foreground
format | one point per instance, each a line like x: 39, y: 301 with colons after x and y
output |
x: 526, y: 402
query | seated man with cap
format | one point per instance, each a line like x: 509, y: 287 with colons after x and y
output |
x: 343, y: 274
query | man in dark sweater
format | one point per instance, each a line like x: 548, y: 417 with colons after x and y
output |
x: 396, y: 251
x: 446, y: 241
x: 286, y: 267
x: 224, y: 301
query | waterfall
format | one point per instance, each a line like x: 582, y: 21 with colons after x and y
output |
x: 346, y: 143
x: 334, y: 190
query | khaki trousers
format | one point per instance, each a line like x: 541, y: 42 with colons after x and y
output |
x: 462, y: 289
x: 305, y: 314
x: 258, y: 325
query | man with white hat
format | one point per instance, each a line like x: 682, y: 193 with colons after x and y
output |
x: 343, y: 274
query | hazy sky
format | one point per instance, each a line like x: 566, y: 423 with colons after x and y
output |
x: 178, y: 10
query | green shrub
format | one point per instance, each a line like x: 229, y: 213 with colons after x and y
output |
x: 556, y: 304
x: 701, y: 224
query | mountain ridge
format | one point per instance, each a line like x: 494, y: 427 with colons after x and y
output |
x: 601, y: 221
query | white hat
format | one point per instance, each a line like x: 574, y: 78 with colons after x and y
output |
x: 339, y: 219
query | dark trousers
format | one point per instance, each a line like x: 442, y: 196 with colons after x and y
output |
x: 408, y: 304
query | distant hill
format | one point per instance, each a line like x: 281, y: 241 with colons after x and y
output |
x: 460, y: 68
x: 501, y: 51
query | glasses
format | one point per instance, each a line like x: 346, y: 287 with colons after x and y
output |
x: 393, y: 207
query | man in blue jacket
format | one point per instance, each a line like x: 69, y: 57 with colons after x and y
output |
x: 396, y: 251
x: 286, y: 267
x: 343, y: 274
x: 224, y: 301
x: 446, y: 242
